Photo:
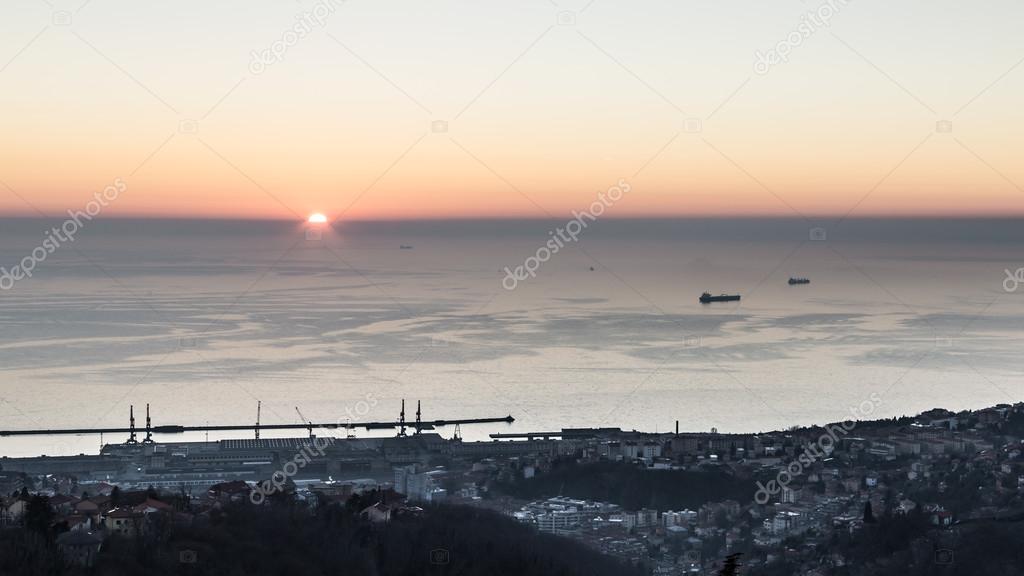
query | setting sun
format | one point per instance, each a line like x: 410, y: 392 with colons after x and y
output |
x: 317, y: 218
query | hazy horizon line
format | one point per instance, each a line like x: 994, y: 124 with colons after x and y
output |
x: 810, y: 218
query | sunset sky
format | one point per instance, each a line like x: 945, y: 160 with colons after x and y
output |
x: 546, y: 102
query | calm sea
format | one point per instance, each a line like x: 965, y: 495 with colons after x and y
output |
x: 202, y: 319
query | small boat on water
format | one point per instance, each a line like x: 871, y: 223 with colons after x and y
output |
x: 793, y: 281
x: 707, y: 298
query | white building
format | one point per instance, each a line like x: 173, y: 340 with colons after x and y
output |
x: 419, y: 485
x: 559, y: 521
x: 682, y: 518
x: 652, y: 450
x: 783, y: 522
x: 646, y: 518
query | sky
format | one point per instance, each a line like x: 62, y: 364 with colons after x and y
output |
x: 405, y: 110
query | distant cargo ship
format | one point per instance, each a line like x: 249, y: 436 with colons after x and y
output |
x: 706, y: 298
x: 798, y: 281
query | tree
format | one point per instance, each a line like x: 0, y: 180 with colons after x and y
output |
x: 869, y: 515
x: 731, y: 565
x: 38, y: 515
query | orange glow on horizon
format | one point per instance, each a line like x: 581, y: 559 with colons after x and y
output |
x: 422, y: 126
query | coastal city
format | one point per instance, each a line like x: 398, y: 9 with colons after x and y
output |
x: 565, y: 288
x: 668, y: 503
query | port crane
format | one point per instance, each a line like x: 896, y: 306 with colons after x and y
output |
x: 306, y: 421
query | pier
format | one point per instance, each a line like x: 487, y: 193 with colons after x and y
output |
x: 401, y: 424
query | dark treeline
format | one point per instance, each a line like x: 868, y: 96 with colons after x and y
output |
x: 287, y: 540
x: 632, y: 487
x: 910, y: 546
